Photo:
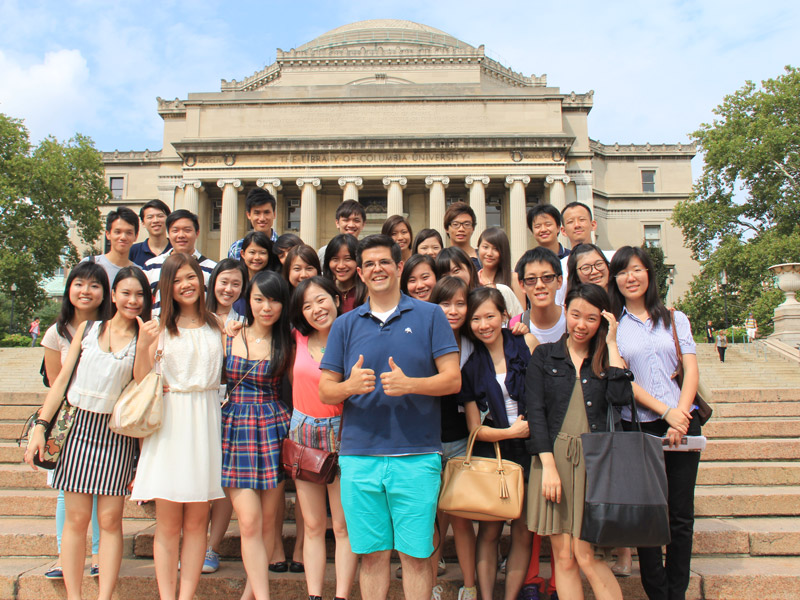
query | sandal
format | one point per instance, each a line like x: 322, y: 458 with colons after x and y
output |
x: 279, y: 567
x: 55, y: 573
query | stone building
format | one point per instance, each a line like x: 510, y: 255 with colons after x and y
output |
x: 405, y: 119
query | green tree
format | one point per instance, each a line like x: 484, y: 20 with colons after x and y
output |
x: 656, y: 254
x: 744, y: 212
x: 44, y: 190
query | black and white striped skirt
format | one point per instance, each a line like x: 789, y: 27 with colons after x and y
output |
x: 95, y: 460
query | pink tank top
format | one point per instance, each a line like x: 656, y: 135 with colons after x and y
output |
x: 305, y: 385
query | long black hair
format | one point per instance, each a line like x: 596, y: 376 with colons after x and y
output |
x: 226, y: 264
x: 597, y: 297
x: 298, y: 319
x: 332, y: 249
x: 261, y: 239
x: 133, y: 272
x: 652, y: 301
x: 93, y: 272
x: 573, y: 279
x: 273, y: 286
x: 411, y: 264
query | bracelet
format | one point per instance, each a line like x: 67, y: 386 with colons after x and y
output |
x: 41, y: 422
x: 666, y: 412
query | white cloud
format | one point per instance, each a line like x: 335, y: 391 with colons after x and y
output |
x: 50, y: 94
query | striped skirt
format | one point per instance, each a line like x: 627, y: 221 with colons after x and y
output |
x: 252, y: 433
x: 95, y: 460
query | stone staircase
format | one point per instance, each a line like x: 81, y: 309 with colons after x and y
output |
x: 747, y: 534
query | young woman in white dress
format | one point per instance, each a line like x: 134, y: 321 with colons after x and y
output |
x: 95, y: 460
x: 180, y: 464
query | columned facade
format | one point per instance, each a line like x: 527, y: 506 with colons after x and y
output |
x: 476, y: 184
x: 191, y: 194
x: 308, y: 209
x: 230, y: 213
x: 394, y: 194
x: 517, y: 238
x: 350, y: 187
x: 437, y: 184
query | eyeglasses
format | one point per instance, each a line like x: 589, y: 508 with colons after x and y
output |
x: 600, y: 265
x: 635, y: 272
x: 531, y: 281
x: 462, y: 224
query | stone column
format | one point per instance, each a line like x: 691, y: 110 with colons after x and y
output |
x: 394, y: 194
x: 191, y: 194
x: 308, y: 209
x: 166, y: 189
x: 516, y: 229
x: 273, y: 186
x: 350, y: 187
x: 558, y: 195
x: 476, y: 184
x: 229, y: 221
x: 437, y: 184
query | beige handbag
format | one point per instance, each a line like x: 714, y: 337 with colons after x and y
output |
x: 482, y: 489
x: 140, y: 407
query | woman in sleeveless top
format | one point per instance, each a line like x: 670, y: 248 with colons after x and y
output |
x: 569, y: 386
x: 255, y: 421
x: 95, y: 460
x: 179, y: 466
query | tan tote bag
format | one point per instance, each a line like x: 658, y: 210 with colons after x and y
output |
x: 482, y: 489
x: 139, y: 410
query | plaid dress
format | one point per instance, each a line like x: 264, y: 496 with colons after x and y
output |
x: 254, y: 422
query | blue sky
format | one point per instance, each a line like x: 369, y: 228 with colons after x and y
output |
x: 657, y: 68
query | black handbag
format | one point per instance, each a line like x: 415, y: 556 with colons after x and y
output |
x: 626, y: 488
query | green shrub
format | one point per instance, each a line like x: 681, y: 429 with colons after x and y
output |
x: 15, y: 340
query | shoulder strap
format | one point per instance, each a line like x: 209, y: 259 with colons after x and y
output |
x: 77, y: 362
x: 679, y: 369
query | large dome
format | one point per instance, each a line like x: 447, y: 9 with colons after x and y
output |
x: 383, y: 30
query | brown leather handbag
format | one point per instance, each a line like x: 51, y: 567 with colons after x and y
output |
x: 704, y: 411
x: 309, y: 464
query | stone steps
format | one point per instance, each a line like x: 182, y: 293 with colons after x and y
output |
x: 761, y: 473
x: 764, y: 449
x: 766, y: 427
x: 747, y: 501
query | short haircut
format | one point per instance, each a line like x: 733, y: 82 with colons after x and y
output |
x: 543, y: 209
x: 538, y: 254
x: 576, y: 205
x: 182, y: 213
x: 296, y: 315
x: 477, y: 297
x: 258, y: 197
x: 392, y: 222
x: 378, y: 241
x: 126, y: 214
x: 348, y: 208
x: 456, y: 209
x: 426, y: 234
x: 157, y: 204
x: 412, y: 263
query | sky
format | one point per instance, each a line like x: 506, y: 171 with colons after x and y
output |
x: 657, y: 68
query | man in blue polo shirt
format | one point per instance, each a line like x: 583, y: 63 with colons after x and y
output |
x: 389, y: 361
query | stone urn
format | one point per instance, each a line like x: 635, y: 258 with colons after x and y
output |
x: 787, y: 315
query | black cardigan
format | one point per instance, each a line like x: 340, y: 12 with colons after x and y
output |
x: 549, y: 381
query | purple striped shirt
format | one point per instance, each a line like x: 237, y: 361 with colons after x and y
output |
x: 650, y: 354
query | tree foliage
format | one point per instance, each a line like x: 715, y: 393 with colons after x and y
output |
x: 43, y: 191
x: 656, y: 254
x: 744, y: 211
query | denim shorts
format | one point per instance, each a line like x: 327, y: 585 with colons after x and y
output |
x: 390, y: 502
x: 453, y: 449
x: 313, y: 432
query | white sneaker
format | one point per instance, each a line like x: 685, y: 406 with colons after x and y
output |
x: 441, y: 567
x: 436, y: 592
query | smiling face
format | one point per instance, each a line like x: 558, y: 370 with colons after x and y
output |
x: 343, y: 266
x: 262, y: 217
x: 154, y: 221
x: 121, y: 236
x: 401, y: 236
x: 487, y: 322
x: 633, y: 280
x: 460, y: 229
x: 592, y: 268
x: 578, y: 225
x: 489, y: 255
x: 455, y: 309
x: 421, y: 281
x: 85, y: 294
x: 228, y: 287
x: 352, y: 224
x: 583, y: 320
x: 430, y: 247
x: 128, y: 297
x: 545, y: 230
x: 319, y: 308
x: 183, y: 236
x: 378, y: 270
x: 300, y: 270
x: 255, y: 258
x: 540, y: 291
x: 266, y: 311
x: 186, y: 287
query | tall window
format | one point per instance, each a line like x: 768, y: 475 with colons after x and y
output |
x: 216, y: 214
x: 648, y: 182
x: 652, y: 236
x: 494, y: 211
x: 293, y: 214
x: 117, y: 184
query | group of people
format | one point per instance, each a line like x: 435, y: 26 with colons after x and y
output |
x: 390, y: 350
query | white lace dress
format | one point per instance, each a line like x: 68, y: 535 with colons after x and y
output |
x: 182, y: 461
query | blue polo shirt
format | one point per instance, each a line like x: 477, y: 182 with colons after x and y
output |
x: 415, y: 334
x: 140, y: 253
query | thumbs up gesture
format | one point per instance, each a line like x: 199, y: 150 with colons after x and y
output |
x: 148, y: 332
x: 394, y: 381
x: 361, y: 380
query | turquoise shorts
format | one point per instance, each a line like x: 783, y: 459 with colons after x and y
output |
x: 390, y: 502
